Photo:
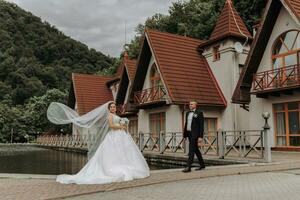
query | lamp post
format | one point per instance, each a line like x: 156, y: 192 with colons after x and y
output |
x: 266, y: 116
x: 266, y: 138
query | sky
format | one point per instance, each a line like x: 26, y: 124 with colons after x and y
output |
x: 100, y: 24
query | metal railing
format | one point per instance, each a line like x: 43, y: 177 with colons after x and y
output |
x: 63, y: 140
x: 149, y: 95
x: 283, y: 77
x: 243, y: 144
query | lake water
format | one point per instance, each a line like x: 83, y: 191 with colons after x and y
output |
x: 34, y: 160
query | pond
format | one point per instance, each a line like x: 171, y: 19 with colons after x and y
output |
x: 28, y: 159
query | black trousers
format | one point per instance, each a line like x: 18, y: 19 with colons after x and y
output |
x: 193, y: 149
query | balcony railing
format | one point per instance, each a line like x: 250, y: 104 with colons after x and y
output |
x: 121, y: 108
x: 281, y: 78
x: 150, y: 95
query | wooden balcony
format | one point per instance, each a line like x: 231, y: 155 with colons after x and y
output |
x: 150, y: 96
x: 121, y: 109
x: 285, y: 79
x: 126, y: 109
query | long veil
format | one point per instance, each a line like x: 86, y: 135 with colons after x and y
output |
x: 93, y: 126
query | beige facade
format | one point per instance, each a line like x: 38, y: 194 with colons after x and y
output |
x: 284, y: 23
x: 227, y: 71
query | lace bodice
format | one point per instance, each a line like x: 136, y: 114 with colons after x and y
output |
x: 116, y: 119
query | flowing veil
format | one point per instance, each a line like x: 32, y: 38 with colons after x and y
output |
x: 93, y: 126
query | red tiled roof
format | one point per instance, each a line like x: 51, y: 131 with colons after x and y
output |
x: 294, y: 5
x: 229, y: 24
x: 90, y: 91
x: 131, y: 68
x: 186, y: 73
x: 130, y: 64
x: 119, y: 71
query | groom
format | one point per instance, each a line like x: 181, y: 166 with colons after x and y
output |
x: 193, y: 130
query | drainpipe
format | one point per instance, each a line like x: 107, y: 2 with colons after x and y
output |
x: 235, y: 55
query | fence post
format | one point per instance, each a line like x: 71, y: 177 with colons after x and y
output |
x: 267, y: 149
x: 266, y: 138
x: 220, y: 144
x: 161, y: 142
x: 141, y: 140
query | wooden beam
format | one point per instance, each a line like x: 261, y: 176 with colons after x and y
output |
x: 288, y: 92
x: 264, y: 96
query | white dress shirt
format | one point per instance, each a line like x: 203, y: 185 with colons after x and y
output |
x: 189, y: 121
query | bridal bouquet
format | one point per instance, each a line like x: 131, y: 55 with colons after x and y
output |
x: 124, y: 121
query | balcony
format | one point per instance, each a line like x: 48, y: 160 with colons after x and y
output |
x: 284, y: 79
x: 150, y: 96
x: 121, y: 109
x: 125, y: 109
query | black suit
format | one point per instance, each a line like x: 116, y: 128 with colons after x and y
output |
x: 197, y: 129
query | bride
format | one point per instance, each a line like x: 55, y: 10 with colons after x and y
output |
x: 113, y: 155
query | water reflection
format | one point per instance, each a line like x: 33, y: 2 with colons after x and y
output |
x: 33, y: 160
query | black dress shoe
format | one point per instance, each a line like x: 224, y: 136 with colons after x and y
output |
x: 186, y: 170
x: 200, y: 168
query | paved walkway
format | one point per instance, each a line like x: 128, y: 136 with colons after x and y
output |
x: 259, y: 186
x: 228, y: 181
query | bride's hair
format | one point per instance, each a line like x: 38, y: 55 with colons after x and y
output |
x: 110, y: 103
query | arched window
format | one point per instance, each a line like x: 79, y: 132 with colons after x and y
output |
x: 286, y: 49
x: 154, y: 76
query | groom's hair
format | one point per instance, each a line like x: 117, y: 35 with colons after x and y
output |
x: 193, y: 100
x: 111, y: 103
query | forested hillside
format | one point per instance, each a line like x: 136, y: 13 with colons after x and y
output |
x: 36, y: 62
x: 35, y: 56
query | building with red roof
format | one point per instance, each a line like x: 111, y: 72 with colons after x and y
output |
x: 171, y: 70
x: 270, y: 79
x: 232, y: 75
x: 88, y: 92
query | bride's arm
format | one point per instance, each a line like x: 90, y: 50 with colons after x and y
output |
x: 112, y: 125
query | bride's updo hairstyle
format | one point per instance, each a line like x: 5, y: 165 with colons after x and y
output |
x: 110, y: 103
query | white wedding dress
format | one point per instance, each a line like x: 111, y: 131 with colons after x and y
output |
x: 117, y: 159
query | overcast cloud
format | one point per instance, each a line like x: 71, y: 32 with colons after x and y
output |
x: 100, y: 24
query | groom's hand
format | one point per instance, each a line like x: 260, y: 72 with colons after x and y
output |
x: 200, y: 140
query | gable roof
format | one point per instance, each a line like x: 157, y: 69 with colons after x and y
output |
x: 127, y: 63
x: 241, y: 93
x: 128, y: 73
x: 294, y: 6
x: 90, y: 91
x: 186, y: 74
x: 130, y: 65
x: 229, y: 24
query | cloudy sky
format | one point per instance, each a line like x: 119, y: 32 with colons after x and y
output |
x: 100, y: 24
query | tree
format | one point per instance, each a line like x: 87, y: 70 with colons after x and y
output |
x: 35, y: 112
x: 35, y: 56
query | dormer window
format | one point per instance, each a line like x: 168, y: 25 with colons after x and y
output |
x: 216, y: 53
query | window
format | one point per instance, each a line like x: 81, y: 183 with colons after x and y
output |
x: 133, y: 126
x: 154, y: 77
x: 210, y: 129
x: 287, y: 123
x: 210, y: 125
x: 157, y: 123
x: 216, y: 53
x: 286, y: 49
